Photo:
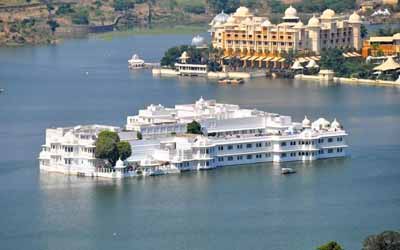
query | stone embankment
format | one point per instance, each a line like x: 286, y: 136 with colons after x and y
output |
x: 344, y: 80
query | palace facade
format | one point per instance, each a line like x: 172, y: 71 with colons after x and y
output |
x: 244, y: 34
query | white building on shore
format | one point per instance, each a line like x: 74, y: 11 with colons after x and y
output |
x: 231, y: 136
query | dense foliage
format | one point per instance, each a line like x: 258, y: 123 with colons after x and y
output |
x: 388, y: 31
x: 109, y: 147
x: 311, y: 6
x: 124, y: 150
x: 121, y: 5
x: 332, y: 245
x: 64, y: 9
x: 80, y: 16
x: 194, y: 128
x: 388, y: 240
x: 53, y: 25
x: 225, y: 5
x: 209, y: 56
x: 276, y: 6
x: 351, y: 67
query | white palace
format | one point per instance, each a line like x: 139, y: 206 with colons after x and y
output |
x: 231, y: 136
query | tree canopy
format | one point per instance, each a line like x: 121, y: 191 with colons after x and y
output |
x: 121, y: 5
x: 333, y: 59
x: 124, y: 150
x: 194, y: 128
x: 110, y: 148
x: 332, y: 245
x: 388, y: 240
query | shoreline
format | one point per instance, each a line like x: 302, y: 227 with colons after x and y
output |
x: 175, y: 30
x: 159, y: 30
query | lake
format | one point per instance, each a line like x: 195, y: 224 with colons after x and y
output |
x: 246, y: 207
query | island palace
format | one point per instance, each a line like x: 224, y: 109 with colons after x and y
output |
x: 230, y: 136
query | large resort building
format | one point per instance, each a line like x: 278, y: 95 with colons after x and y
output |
x: 256, y: 38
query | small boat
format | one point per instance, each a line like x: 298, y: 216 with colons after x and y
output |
x: 288, y: 171
x: 135, y: 62
x: 231, y: 80
x: 1, y: 90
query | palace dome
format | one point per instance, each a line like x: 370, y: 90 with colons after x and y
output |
x: 266, y: 23
x: 247, y: 21
x: 306, y: 122
x: 396, y: 36
x: 335, y: 124
x: 354, y: 18
x: 299, y: 25
x: 290, y: 12
x: 328, y: 14
x: 220, y: 18
x: 119, y: 164
x: 242, y: 11
x: 231, y: 20
x: 313, y: 22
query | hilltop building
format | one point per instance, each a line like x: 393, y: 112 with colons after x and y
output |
x: 246, y: 35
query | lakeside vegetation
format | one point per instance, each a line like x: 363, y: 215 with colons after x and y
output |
x: 387, y: 240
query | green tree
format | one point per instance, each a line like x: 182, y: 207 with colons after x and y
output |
x: 124, y: 150
x: 80, y: 16
x: 332, y: 59
x: 123, y: 5
x: 139, y: 136
x: 363, y: 31
x: 53, y: 25
x: 106, y: 146
x: 388, y: 240
x: 332, y: 245
x: 225, y: 5
x: 289, y: 56
x: 64, y: 9
x: 194, y: 128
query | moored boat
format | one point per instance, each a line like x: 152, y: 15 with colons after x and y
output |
x: 288, y: 171
x: 231, y: 80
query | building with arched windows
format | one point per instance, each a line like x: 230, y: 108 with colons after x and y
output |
x: 244, y: 34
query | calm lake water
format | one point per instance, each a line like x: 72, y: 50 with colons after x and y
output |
x: 246, y: 207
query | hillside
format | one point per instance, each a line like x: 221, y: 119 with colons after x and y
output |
x: 44, y: 21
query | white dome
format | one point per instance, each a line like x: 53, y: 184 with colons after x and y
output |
x: 306, y: 122
x: 313, y: 22
x: 266, y: 23
x: 242, y: 11
x: 299, y: 25
x: 198, y: 41
x: 119, y: 164
x: 247, y: 21
x: 328, y: 14
x: 231, y: 20
x: 335, y: 124
x: 312, y: 64
x: 221, y: 18
x: 396, y: 36
x: 290, y: 12
x: 354, y: 18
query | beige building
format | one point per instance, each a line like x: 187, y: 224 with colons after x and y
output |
x: 244, y: 34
